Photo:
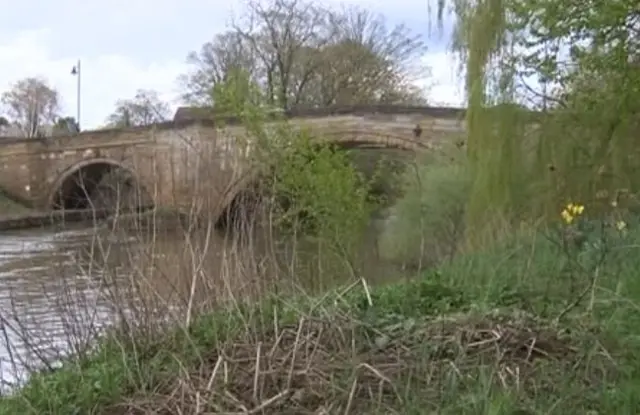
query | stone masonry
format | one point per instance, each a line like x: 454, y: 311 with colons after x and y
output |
x: 195, y: 162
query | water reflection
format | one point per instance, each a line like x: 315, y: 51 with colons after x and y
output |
x: 62, y: 287
x: 27, y: 289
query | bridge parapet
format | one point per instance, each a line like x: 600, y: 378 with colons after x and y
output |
x: 195, y: 162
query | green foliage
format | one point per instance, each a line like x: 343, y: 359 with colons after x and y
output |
x: 586, y: 57
x: 325, y: 196
x: 427, y: 225
x: 418, y: 298
x: 317, y: 190
x: 447, y: 323
x: 238, y: 95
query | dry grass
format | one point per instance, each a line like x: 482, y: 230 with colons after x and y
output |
x: 138, y: 272
x: 183, y: 319
x: 168, y: 356
x: 143, y: 273
x: 337, y: 365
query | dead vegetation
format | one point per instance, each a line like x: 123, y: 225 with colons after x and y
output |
x: 208, y: 323
x: 330, y: 365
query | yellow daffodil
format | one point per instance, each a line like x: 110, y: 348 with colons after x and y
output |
x: 621, y: 225
x: 566, y: 216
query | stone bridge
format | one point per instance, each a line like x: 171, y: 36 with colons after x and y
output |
x: 195, y: 161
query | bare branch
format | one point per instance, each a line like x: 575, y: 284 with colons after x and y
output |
x: 31, y: 104
x: 144, y: 109
x: 213, y: 63
x: 300, y: 53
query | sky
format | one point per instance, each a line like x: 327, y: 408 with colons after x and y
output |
x: 126, y: 45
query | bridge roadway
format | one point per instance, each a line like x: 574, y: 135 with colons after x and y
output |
x: 195, y: 161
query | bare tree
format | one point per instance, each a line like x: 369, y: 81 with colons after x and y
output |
x: 353, y: 74
x: 370, y: 61
x: 213, y: 64
x: 303, y: 54
x: 282, y: 33
x: 144, y: 108
x: 31, y: 104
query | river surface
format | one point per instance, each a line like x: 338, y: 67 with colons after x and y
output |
x: 58, y: 288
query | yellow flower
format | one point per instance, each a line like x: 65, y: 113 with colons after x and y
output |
x: 571, y: 212
x: 567, y: 216
x: 621, y: 225
x: 575, y: 210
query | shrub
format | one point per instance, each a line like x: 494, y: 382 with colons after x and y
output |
x: 314, y: 193
x: 325, y: 196
x: 426, y: 225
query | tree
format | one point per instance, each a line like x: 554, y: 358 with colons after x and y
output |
x: 65, y: 126
x: 371, y: 62
x: 30, y: 105
x: 144, y: 108
x: 4, y: 125
x: 236, y: 93
x: 226, y: 54
x: 302, y: 54
x: 281, y: 34
x: 585, y: 57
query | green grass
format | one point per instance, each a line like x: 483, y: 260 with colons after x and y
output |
x: 478, y: 336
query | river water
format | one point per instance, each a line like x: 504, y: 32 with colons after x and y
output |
x: 58, y: 288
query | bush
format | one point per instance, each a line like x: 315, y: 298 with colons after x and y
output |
x: 426, y: 225
x: 316, y: 203
x: 323, y: 193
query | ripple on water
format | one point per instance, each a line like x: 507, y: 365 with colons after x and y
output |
x: 38, y: 298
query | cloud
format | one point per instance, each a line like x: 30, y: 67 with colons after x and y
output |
x: 444, y: 83
x: 132, y: 46
x: 104, y: 78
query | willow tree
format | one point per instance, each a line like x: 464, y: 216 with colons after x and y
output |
x: 585, y: 58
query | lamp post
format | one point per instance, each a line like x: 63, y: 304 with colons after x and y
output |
x: 76, y: 72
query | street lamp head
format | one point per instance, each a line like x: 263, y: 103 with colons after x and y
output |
x: 74, y: 71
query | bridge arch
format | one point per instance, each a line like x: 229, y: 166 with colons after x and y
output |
x: 345, y: 139
x: 99, y: 183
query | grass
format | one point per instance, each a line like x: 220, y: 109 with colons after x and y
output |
x: 496, y: 331
x: 480, y: 335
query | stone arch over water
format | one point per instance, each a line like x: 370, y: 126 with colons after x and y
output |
x: 351, y: 139
x: 98, y: 184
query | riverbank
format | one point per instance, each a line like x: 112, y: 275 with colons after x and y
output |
x: 16, y: 216
x: 34, y: 219
x: 30, y: 219
x: 497, y: 332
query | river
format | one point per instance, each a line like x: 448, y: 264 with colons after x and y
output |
x: 58, y: 288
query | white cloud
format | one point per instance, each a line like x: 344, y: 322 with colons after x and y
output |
x: 104, y: 79
x: 107, y: 78
x: 444, y: 83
